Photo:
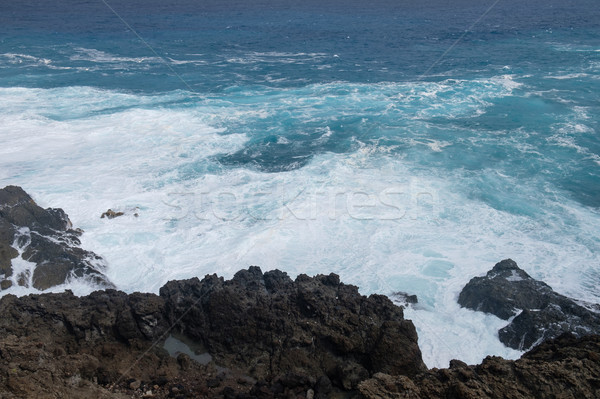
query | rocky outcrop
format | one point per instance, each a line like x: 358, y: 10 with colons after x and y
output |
x: 404, y: 298
x: 39, y: 247
x: 67, y: 346
x: 268, y: 336
x: 563, y: 368
x: 315, y: 327
x: 539, y: 313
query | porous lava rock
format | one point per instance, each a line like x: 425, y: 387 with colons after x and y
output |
x: 566, y: 367
x: 311, y: 326
x: 268, y: 335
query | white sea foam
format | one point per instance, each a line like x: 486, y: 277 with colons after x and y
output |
x: 457, y: 333
x: 273, y: 57
x: 574, y: 127
x: 569, y: 76
x: 574, y: 48
x: 372, y: 217
x: 27, y: 60
x: 94, y: 55
x: 15, y: 58
x: 184, y: 62
x: 437, y: 145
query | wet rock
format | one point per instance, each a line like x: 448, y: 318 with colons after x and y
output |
x: 45, y: 238
x: 7, y: 253
x: 18, y: 209
x: 403, y: 297
x: 110, y: 214
x: 539, y: 313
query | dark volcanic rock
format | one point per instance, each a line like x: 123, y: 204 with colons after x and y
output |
x: 110, y: 214
x: 270, y: 337
x: 275, y: 337
x: 405, y: 298
x: 313, y: 326
x: 564, y: 368
x: 59, y: 345
x: 541, y: 313
x: 46, y: 238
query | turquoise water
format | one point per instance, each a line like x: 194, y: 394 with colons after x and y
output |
x: 407, y: 146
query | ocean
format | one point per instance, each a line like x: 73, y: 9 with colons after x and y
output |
x: 404, y: 145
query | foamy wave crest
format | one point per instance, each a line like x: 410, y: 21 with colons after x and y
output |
x: 26, y: 60
x: 274, y: 57
x: 93, y: 55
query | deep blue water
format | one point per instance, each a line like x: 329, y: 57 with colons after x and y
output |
x: 350, y: 40
x: 232, y: 48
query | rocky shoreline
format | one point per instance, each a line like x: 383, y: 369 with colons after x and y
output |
x: 264, y: 336
x: 40, y: 248
x: 274, y: 334
x: 261, y: 335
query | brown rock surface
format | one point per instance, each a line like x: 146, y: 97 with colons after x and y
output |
x: 110, y: 214
x: 563, y: 368
x: 269, y: 337
x: 315, y: 326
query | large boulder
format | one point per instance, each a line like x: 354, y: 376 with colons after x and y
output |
x: 313, y: 326
x: 46, y: 239
x: 538, y: 312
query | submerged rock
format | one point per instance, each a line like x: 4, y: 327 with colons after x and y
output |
x: 539, y: 313
x: 110, y: 214
x: 46, y: 239
x: 404, y: 298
